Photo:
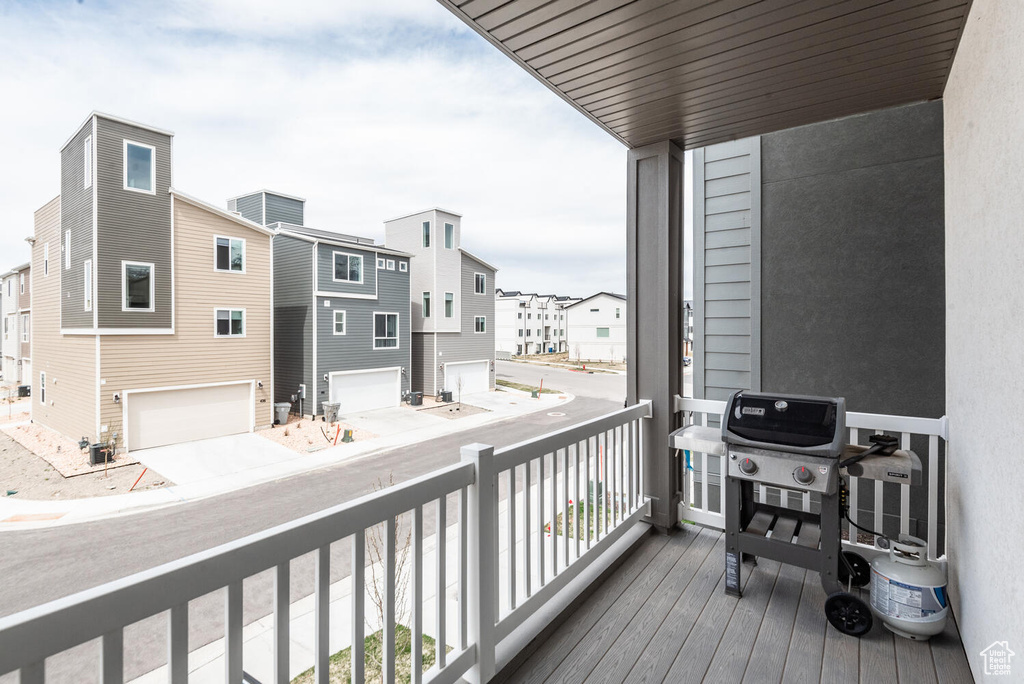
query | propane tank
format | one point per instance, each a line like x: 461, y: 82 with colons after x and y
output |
x: 908, y: 593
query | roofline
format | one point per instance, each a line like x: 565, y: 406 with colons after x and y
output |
x: 342, y: 243
x: 16, y: 269
x: 196, y: 202
x: 424, y: 211
x: 118, y: 119
x: 267, y: 192
x: 478, y: 259
x: 597, y: 294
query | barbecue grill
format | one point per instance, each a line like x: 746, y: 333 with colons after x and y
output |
x: 795, y: 443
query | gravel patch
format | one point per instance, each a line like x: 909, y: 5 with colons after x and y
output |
x: 303, y: 435
x: 454, y: 410
x: 59, y: 451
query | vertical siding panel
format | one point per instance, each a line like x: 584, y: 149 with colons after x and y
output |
x: 293, y: 319
x: 75, y: 216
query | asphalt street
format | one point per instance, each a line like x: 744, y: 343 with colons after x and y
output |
x: 44, y: 564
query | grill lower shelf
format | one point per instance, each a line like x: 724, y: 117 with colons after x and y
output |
x: 784, y: 526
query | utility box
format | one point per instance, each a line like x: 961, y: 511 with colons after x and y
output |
x: 97, y: 454
x: 331, y: 412
x: 446, y: 396
x: 281, y: 412
x: 416, y: 399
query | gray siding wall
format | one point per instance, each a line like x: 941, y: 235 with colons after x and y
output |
x: 132, y: 226
x: 76, y: 216
x: 423, y: 363
x: 284, y: 209
x: 354, y: 350
x: 325, y: 270
x: 251, y: 207
x: 853, y: 261
x: 293, y: 319
x: 469, y: 345
x: 726, y: 277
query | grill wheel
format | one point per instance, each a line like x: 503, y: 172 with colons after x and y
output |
x: 848, y: 614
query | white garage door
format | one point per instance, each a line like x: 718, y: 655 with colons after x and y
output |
x: 475, y: 377
x: 185, y: 415
x: 366, y: 390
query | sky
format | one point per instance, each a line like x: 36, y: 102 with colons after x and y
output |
x: 368, y: 110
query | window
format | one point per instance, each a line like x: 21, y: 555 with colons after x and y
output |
x: 385, y: 331
x: 139, y: 167
x: 520, y: 333
x: 339, y: 322
x: 449, y: 305
x: 46, y: 259
x: 519, y: 349
x: 67, y: 251
x: 21, y: 282
x: 380, y: 263
x: 602, y: 332
x: 529, y: 316
x: 617, y: 312
x: 480, y: 324
x: 529, y: 333
x: 391, y: 264
x: 24, y: 327
x: 87, y: 284
x: 426, y: 233
x: 229, y: 323
x: 547, y: 316
x: 348, y: 268
x: 42, y: 387
x: 538, y: 332
x: 229, y: 254
x: 520, y: 315
x: 449, y: 236
x: 136, y: 286
x: 480, y: 283
x: 403, y: 266
x: 87, y: 163
x: 594, y: 310
x: 426, y: 305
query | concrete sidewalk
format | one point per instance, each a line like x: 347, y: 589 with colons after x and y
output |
x: 25, y: 513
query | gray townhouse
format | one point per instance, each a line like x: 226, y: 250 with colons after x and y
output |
x: 341, y: 312
x: 452, y: 304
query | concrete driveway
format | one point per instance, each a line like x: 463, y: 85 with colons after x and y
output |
x: 209, y: 458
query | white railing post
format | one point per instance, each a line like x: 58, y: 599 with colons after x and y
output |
x: 482, y: 560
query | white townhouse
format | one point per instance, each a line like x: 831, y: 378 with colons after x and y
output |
x: 596, y: 328
x: 529, y: 323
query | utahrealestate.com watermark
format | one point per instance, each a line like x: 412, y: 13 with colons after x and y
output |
x: 997, y: 658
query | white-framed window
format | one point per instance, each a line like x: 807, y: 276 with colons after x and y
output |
x: 594, y: 310
x: 391, y: 264
x: 529, y: 316
x: 403, y: 266
x: 137, y: 286
x: 538, y: 332
x: 519, y: 349
x: 449, y: 236
x: 229, y: 323
x: 603, y: 332
x: 529, y: 333
x: 339, y: 322
x: 449, y: 304
x: 42, y: 387
x: 426, y: 305
x: 547, y: 316
x: 21, y: 282
x: 380, y: 263
x: 228, y: 254
x: 139, y: 167
x: 480, y: 324
x: 24, y: 327
x: 87, y: 284
x: 67, y: 250
x: 426, y: 233
x: 87, y: 163
x: 348, y: 268
x: 480, y: 283
x: 520, y: 315
x: 617, y: 312
x: 520, y: 333
x: 385, y: 330
x: 46, y: 259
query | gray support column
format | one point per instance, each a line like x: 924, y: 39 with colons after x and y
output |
x: 654, y: 311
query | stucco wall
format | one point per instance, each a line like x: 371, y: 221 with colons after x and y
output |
x: 984, y: 162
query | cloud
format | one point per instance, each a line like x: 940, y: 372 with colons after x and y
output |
x: 368, y: 110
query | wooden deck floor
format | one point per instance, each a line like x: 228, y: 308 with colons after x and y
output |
x: 663, y: 616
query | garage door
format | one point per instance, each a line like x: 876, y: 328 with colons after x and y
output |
x: 366, y: 390
x: 475, y: 377
x: 185, y: 415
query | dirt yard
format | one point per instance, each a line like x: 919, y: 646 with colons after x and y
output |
x: 303, y: 435
x: 31, y: 477
x: 63, y: 453
x: 563, y: 358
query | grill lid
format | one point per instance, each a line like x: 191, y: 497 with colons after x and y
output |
x: 813, y: 426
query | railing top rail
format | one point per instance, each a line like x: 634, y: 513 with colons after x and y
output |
x: 524, y: 452
x: 39, y: 632
x: 854, y: 419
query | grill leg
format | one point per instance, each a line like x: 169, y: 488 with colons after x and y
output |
x: 831, y: 544
x: 738, y: 511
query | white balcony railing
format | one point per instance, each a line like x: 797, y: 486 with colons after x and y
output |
x: 512, y: 562
x: 704, y: 498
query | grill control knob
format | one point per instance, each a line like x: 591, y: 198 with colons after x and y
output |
x: 803, y: 475
x: 748, y: 467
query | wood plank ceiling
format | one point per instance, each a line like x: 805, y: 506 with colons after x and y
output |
x: 706, y: 71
